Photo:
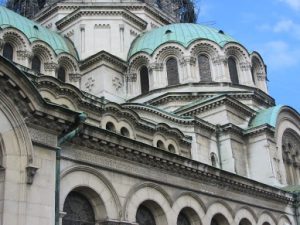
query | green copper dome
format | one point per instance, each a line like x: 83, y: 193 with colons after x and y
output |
x: 266, y: 116
x: 182, y: 33
x: 33, y: 31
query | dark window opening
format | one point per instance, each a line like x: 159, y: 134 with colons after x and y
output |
x: 124, y: 132
x: 36, y: 64
x: 8, y: 51
x: 233, y: 70
x: 110, y: 126
x: 144, y: 76
x: 182, y: 219
x: 144, y: 216
x: 171, y: 148
x: 61, y: 74
x: 172, y: 71
x: 160, y: 145
x: 79, y: 210
x: 204, y: 68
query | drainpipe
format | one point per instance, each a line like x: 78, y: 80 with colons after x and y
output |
x: 218, y: 131
x: 70, y: 134
x: 297, y: 207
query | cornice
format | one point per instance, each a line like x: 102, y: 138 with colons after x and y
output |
x: 138, y: 152
x: 103, y: 56
x: 101, y: 10
x: 214, y: 103
x: 265, y: 128
x: 171, y: 117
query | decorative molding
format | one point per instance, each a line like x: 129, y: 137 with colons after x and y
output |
x: 24, y: 54
x: 219, y: 60
x: 74, y: 77
x: 245, y: 66
x: 42, y: 137
x: 131, y: 77
x: 50, y: 66
x: 156, y: 66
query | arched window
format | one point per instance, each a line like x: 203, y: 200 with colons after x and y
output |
x: 144, y: 77
x: 36, y: 64
x: 171, y: 148
x: 124, y: 132
x: 245, y: 222
x: 160, y: 144
x: 204, y: 68
x: 182, y: 219
x: 291, y: 155
x: 8, y: 51
x: 61, y: 74
x: 219, y: 219
x: 233, y: 70
x: 144, y: 216
x: 78, y: 210
x: 172, y: 71
x: 110, y: 126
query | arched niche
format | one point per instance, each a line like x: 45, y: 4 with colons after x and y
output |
x: 150, y: 213
x: 233, y: 71
x: 8, y: 51
x: 144, y: 80
x: 172, y: 71
x: 204, y: 68
x: 219, y: 219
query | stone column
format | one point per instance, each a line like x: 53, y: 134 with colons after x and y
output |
x: 75, y: 79
x: 156, y: 70
x: 221, y: 72
x: 189, y: 63
x: 24, y: 58
x: 50, y: 68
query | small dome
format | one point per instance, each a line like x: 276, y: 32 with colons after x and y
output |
x: 182, y: 33
x: 34, y: 31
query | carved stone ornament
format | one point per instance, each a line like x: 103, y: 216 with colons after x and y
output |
x: 261, y: 76
x: 156, y: 66
x: 245, y: 66
x: 23, y: 54
x: 218, y: 60
x: 117, y: 83
x: 50, y: 66
x: 74, y: 77
x: 30, y: 171
x: 89, y: 85
x: 131, y: 77
x: 190, y: 60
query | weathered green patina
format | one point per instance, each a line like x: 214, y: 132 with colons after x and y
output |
x: 183, y: 34
x: 266, y: 116
x: 34, y: 32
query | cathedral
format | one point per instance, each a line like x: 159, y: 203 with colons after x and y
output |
x: 129, y: 113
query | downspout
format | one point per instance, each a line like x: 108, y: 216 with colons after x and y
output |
x: 297, y: 207
x: 218, y: 131
x: 70, y: 134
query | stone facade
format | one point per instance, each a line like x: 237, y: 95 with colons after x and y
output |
x: 202, y: 151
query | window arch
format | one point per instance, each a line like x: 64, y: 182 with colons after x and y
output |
x: 213, y: 159
x: 110, y: 126
x: 124, y: 132
x: 8, y: 51
x: 172, y: 71
x: 233, y: 72
x: 144, y: 216
x: 160, y: 144
x: 36, y: 64
x: 61, y: 74
x: 78, y: 210
x: 204, y: 68
x: 144, y: 78
x: 171, y: 148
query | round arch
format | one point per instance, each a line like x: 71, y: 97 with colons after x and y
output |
x: 152, y: 194
x: 285, y: 220
x: 219, y: 208
x: 266, y: 218
x: 95, y: 186
x: 245, y: 213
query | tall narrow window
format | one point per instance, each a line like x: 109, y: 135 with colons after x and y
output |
x: 204, y: 68
x: 36, y: 64
x: 8, y: 51
x: 144, y: 77
x: 78, y: 210
x: 172, y: 71
x: 233, y: 70
x: 61, y: 74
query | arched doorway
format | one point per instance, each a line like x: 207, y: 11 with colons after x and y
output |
x: 78, y: 209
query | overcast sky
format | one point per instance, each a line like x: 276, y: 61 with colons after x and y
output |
x: 271, y: 27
